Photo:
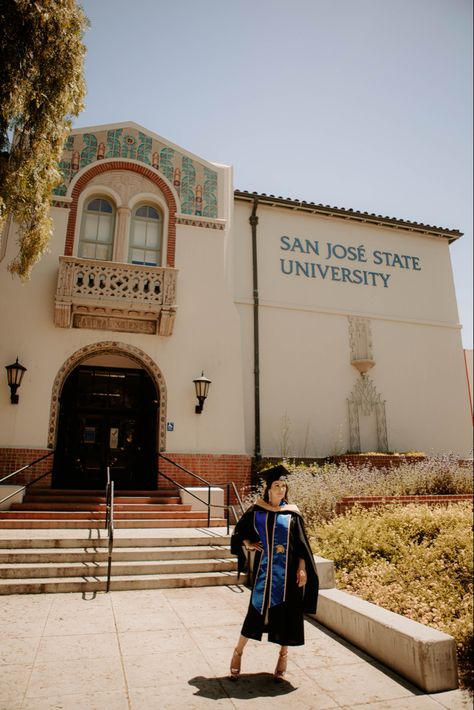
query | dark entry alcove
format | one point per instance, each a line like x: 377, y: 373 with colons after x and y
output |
x: 107, y: 417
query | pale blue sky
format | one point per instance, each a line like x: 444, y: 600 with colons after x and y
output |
x: 363, y: 104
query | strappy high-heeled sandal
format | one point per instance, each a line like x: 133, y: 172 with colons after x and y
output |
x: 280, y: 669
x: 234, y: 668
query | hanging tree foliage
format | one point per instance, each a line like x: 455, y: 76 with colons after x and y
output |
x: 41, y: 89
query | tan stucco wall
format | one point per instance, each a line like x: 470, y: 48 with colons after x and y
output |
x: 425, y: 294
x: 305, y: 345
x: 206, y: 337
x: 305, y: 370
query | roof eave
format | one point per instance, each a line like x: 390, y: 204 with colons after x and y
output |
x: 353, y: 215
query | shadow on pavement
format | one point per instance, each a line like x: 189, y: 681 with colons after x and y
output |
x: 249, y: 685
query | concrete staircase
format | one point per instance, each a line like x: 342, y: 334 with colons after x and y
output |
x: 55, y: 508
x: 57, y: 563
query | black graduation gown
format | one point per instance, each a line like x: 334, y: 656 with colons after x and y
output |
x: 282, y: 621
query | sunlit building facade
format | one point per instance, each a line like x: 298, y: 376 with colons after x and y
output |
x: 322, y: 330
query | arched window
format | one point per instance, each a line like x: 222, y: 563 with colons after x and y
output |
x: 97, y: 230
x: 146, y: 236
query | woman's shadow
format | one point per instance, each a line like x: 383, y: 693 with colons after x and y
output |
x: 249, y: 685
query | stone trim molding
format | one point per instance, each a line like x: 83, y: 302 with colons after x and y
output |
x: 360, y: 342
x: 304, y: 307
x: 130, y: 351
x: 197, y: 222
x: 149, y: 173
x: 364, y: 398
x: 60, y: 203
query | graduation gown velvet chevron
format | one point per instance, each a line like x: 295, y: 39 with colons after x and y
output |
x: 277, y: 604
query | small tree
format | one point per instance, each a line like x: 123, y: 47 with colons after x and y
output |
x: 41, y: 89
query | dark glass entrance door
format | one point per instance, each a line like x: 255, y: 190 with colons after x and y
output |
x: 107, y: 418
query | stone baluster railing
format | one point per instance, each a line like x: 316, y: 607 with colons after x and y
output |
x: 113, y: 296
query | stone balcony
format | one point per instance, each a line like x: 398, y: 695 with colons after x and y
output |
x: 103, y: 295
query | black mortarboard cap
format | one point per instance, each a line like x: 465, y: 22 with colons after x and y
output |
x: 275, y: 473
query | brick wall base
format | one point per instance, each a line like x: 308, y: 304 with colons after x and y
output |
x: 215, y: 468
x: 348, y: 502
x: 13, y: 459
x: 218, y: 469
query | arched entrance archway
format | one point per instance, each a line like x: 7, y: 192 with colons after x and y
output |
x: 108, y: 409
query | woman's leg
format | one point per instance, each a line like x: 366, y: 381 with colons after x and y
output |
x: 241, y: 644
x: 237, y: 657
x: 280, y: 669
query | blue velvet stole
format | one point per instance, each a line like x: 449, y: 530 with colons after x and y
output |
x: 271, y: 573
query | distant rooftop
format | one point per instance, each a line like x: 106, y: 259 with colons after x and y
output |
x: 342, y: 213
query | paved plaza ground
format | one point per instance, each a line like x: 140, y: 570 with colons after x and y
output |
x: 171, y: 648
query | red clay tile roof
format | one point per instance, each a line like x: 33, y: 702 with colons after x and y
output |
x: 303, y: 206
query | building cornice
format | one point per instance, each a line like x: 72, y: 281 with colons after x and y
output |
x: 348, y: 214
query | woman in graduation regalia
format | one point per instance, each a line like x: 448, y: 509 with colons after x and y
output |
x: 285, y: 581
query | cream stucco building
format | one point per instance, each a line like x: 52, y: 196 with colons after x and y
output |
x: 322, y: 330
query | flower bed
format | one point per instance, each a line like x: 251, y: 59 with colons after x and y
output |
x: 378, y: 460
x: 348, y: 502
x: 415, y: 561
x: 317, y: 488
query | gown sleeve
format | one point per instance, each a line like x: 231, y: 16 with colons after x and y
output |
x: 244, y: 530
x: 303, y: 550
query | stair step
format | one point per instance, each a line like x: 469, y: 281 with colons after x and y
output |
x: 100, y: 515
x: 93, y: 569
x: 53, y: 492
x: 158, y: 543
x: 23, y: 556
x: 97, y: 507
x: 94, y: 524
x: 101, y: 500
x: 122, y: 582
x: 60, y: 563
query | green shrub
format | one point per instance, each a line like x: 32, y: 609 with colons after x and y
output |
x: 415, y: 560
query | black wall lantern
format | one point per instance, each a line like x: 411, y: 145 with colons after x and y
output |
x: 202, y: 388
x: 15, y: 374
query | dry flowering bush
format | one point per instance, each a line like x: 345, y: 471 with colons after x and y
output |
x: 415, y: 560
x: 316, y: 489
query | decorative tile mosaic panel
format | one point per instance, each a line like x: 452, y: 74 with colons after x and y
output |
x: 188, y: 183
x: 209, y: 194
x: 195, y: 184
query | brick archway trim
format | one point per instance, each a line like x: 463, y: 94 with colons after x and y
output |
x: 131, y: 352
x: 102, y: 167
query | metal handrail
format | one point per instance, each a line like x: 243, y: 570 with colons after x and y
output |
x: 226, y: 507
x: 237, y: 495
x: 23, y: 488
x: 109, y: 524
x: 30, y: 483
x: 28, y: 465
x: 194, y: 475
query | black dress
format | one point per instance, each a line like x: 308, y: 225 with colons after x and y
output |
x: 277, y: 604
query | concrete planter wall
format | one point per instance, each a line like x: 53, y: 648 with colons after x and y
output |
x: 423, y: 655
x: 200, y: 503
